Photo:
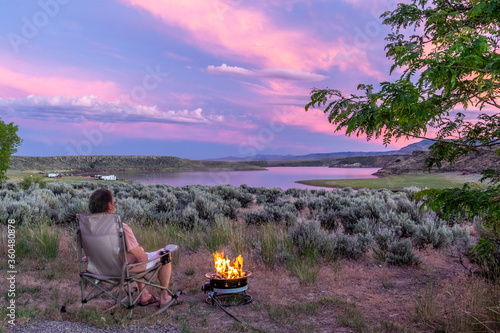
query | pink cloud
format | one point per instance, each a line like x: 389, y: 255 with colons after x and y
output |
x: 375, y: 7
x: 157, y: 131
x: 316, y: 121
x: 250, y: 35
x: 22, y: 85
x: 277, y: 73
x: 91, y: 134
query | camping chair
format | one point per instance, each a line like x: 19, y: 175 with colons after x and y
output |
x: 105, y: 266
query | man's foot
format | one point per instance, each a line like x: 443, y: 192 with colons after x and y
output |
x: 152, y: 300
x: 164, y: 300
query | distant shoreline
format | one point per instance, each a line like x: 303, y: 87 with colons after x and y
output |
x: 110, y: 163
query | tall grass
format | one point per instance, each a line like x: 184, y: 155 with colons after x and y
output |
x: 240, y: 239
x: 219, y: 235
x: 306, y: 269
x: 468, y: 306
x: 271, y: 242
x: 38, y: 239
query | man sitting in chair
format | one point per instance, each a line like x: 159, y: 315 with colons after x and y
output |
x: 101, y: 201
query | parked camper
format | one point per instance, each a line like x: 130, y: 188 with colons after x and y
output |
x: 101, y: 177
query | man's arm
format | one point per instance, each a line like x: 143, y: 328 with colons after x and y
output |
x: 134, y: 249
x: 140, y: 256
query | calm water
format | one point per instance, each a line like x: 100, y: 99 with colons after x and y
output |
x: 284, y: 177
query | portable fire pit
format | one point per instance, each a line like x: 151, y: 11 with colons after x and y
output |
x: 228, y: 285
x: 228, y: 292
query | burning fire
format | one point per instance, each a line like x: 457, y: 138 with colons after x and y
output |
x: 227, y: 269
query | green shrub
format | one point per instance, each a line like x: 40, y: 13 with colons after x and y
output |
x: 296, y: 192
x: 28, y: 181
x: 58, y: 188
x: 435, y: 233
x: 308, y: 238
x: 285, y: 214
x: 258, y: 217
x: 10, y: 186
x: 341, y: 245
x: 401, y: 253
x: 300, y: 204
x: 230, y: 208
x: 329, y: 219
x: 166, y: 203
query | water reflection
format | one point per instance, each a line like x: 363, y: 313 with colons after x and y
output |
x: 283, y: 177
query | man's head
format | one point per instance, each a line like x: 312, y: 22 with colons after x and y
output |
x: 101, y: 201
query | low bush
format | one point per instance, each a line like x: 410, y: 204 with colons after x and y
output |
x: 308, y: 238
x: 258, y: 217
x: 28, y: 181
x: 300, y: 204
x: 401, y: 253
x: 340, y: 245
x: 329, y: 219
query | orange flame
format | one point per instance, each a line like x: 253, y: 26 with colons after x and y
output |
x: 227, y: 269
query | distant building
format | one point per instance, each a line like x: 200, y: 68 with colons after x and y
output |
x: 101, y: 177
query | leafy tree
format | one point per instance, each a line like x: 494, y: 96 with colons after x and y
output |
x: 8, y: 143
x: 448, y: 54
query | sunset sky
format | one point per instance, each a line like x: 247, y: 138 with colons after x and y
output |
x: 195, y: 78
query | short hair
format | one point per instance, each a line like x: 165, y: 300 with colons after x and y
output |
x: 99, y: 201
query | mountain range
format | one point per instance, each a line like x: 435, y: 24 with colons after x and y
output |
x: 407, y: 150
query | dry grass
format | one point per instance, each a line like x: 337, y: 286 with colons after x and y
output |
x: 347, y: 296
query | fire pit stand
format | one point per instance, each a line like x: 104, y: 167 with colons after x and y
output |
x: 226, y: 292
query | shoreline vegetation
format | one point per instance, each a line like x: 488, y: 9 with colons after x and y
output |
x: 111, y: 163
x: 365, y: 261
x: 395, y: 173
x: 399, y: 182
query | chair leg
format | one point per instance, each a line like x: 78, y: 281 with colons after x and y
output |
x: 169, y: 304
x: 82, y: 290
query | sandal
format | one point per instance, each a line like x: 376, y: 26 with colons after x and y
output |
x: 152, y: 300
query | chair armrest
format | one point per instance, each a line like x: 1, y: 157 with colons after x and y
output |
x: 161, y: 256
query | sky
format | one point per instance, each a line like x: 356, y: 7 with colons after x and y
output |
x: 195, y: 79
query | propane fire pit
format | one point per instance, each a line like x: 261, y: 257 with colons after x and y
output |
x: 228, y: 285
x: 226, y: 291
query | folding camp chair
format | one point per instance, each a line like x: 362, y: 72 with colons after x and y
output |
x: 105, y: 267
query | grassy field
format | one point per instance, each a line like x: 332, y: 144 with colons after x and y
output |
x: 16, y: 176
x: 398, y: 182
x: 367, y: 261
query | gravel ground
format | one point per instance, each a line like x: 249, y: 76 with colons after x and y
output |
x: 76, y: 327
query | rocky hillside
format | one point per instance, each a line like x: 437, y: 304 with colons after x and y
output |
x: 118, y: 163
x: 366, y: 161
x: 416, y: 163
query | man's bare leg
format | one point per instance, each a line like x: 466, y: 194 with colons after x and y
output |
x: 145, y: 296
x: 164, y: 278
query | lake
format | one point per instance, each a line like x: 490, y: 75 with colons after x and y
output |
x: 283, y: 177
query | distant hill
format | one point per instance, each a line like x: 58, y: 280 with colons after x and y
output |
x: 422, y: 145
x: 407, y: 150
x: 474, y: 163
x: 100, y: 163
